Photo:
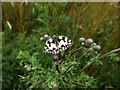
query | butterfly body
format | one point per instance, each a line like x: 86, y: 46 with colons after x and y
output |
x: 57, y: 44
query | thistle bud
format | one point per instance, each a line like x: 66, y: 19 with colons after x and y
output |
x: 89, y: 41
x: 55, y: 57
x: 28, y: 69
x: 46, y: 36
x: 82, y: 39
x: 97, y: 47
x: 91, y: 49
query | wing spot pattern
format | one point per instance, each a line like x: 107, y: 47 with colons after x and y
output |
x: 57, y: 44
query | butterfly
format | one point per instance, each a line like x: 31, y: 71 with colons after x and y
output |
x: 57, y: 44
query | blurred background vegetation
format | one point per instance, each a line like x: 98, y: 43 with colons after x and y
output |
x: 24, y: 23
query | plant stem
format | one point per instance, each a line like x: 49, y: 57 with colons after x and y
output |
x: 81, y: 56
x: 33, y: 85
x: 76, y: 51
x: 67, y: 69
x: 71, y: 55
x: 87, y: 65
x: 57, y: 68
x: 116, y: 50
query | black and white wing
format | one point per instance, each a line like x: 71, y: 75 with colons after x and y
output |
x: 57, y: 44
x: 64, y: 43
x: 50, y: 47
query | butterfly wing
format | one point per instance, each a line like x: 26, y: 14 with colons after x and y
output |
x: 50, y: 47
x: 64, y: 43
x: 57, y: 44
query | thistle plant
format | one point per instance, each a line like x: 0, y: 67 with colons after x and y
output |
x: 69, y: 69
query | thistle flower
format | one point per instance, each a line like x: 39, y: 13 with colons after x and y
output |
x: 97, y: 47
x: 55, y: 57
x: 28, y: 69
x: 46, y: 36
x: 82, y: 39
x: 93, y: 44
x: 89, y: 41
x: 82, y: 43
x: 91, y: 49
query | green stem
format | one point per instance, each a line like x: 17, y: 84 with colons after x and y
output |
x: 87, y: 65
x: 67, y: 69
x: 76, y: 51
x: 81, y: 56
x: 57, y: 66
x: 70, y: 55
x: 35, y: 84
x: 116, y: 50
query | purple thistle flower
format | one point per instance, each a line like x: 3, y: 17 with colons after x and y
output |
x: 89, y: 41
x: 91, y: 49
x: 46, y: 36
x: 28, y: 69
x: 55, y: 57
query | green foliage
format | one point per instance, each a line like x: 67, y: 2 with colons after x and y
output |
x: 69, y: 76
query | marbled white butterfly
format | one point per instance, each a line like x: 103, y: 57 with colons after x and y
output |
x: 57, y: 44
